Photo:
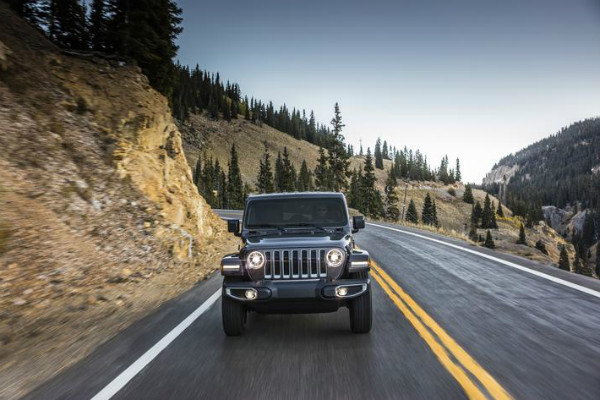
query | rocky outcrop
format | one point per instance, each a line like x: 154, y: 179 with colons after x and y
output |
x: 500, y: 174
x: 557, y: 217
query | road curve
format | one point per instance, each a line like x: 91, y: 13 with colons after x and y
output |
x: 448, y: 324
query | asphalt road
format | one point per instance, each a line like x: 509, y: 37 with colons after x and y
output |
x: 448, y: 323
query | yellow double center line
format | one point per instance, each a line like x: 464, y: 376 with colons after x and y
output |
x: 442, y: 345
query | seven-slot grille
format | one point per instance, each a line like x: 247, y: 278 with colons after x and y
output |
x: 295, y: 264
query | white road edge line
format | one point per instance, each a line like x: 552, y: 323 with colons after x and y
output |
x: 124, y: 377
x: 507, y: 263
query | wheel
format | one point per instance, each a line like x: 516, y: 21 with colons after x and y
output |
x: 234, y: 316
x: 361, y: 312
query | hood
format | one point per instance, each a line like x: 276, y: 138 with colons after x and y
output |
x: 303, y: 239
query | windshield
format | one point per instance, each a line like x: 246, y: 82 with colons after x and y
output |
x: 274, y: 213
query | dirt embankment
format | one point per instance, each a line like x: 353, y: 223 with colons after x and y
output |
x: 99, y: 219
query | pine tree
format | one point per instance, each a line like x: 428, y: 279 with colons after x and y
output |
x: 393, y: 212
x: 98, y: 28
x: 522, y: 239
x: 265, y: 174
x: 338, y: 156
x: 443, y: 171
x: 304, y: 178
x: 223, y: 201
x: 427, y: 215
x: 411, y: 213
x: 473, y: 233
x: 499, y: 211
x: 198, y: 171
x: 288, y: 178
x: 234, y: 182
x: 354, y: 194
x: 213, y: 108
x: 563, y: 259
x: 436, y: 223
x: 378, y: 155
x: 379, y: 206
x: 246, y: 111
x: 208, y: 184
x: 493, y: 222
x: 322, y: 181
x: 457, y: 173
x: 468, y: 195
x: 486, y: 215
x: 28, y: 9
x: 145, y: 31
x: 226, y: 112
x: 368, y: 192
x: 385, y: 153
x: 67, y: 23
x: 489, y: 241
x: 279, y: 173
x: 588, y: 234
x: 476, y: 214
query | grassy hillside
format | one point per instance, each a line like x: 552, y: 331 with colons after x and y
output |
x: 216, y: 137
x: 454, y: 216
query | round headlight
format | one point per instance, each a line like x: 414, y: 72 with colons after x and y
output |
x: 335, y: 258
x: 256, y: 260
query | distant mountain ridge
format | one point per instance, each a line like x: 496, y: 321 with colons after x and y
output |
x: 559, y: 170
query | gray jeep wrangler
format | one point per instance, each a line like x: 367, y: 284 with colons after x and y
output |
x: 297, y: 256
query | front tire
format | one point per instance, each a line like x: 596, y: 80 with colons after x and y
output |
x: 361, y: 311
x: 234, y: 316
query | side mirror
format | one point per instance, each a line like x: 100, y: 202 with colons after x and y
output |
x: 358, y: 222
x: 233, y: 226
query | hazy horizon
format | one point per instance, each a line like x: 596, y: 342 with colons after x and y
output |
x: 470, y: 80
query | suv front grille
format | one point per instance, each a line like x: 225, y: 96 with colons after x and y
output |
x: 295, y: 264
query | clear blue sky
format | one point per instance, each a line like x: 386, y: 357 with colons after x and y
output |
x: 475, y: 79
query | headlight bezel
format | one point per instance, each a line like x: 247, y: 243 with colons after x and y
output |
x: 251, y: 264
x: 341, y: 260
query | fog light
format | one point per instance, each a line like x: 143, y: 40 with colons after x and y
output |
x: 341, y: 291
x: 250, y: 294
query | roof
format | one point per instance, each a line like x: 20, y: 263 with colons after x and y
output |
x: 295, y: 195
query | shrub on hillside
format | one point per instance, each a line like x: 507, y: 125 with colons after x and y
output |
x: 489, y: 242
x: 541, y: 246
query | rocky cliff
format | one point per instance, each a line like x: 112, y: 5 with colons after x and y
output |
x: 500, y: 174
x: 99, y: 219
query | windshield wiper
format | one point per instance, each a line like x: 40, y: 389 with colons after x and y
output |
x: 305, y: 225
x: 269, y: 226
x: 265, y: 229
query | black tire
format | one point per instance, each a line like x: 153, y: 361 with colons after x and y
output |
x: 361, y: 311
x: 234, y: 316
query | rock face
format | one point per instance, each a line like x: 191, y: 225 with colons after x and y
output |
x: 565, y: 221
x: 499, y: 174
x: 557, y: 217
x: 99, y: 219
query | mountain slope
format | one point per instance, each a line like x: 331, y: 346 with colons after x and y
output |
x: 99, y: 219
x: 201, y: 134
x: 561, y: 169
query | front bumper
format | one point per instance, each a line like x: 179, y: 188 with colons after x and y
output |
x: 296, y: 295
